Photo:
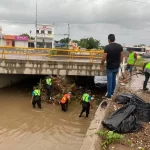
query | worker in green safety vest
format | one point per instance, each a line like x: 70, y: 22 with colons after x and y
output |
x: 49, y: 88
x: 36, y: 98
x: 86, y: 103
x: 132, y: 58
x: 146, y: 70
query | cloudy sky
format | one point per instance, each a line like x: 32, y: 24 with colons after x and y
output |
x: 129, y: 20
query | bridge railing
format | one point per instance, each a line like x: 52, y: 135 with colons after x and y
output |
x: 50, y: 53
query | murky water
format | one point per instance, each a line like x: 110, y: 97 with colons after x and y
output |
x: 24, y: 128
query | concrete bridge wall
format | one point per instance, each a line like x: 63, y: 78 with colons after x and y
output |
x: 10, y: 66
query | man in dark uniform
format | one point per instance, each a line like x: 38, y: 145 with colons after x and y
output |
x: 36, y: 98
x: 86, y: 98
x: 49, y: 88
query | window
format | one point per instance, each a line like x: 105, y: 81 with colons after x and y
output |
x: 37, y: 31
x: 49, y: 32
x: 42, y: 31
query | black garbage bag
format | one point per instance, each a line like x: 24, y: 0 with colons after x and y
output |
x: 142, y: 112
x: 123, y: 120
x: 123, y: 98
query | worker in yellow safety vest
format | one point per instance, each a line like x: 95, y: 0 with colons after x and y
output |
x: 146, y: 70
x: 132, y: 58
x: 86, y: 103
x: 36, y: 98
x: 49, y: 88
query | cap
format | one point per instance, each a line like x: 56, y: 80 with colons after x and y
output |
x: 69, y: 92
x: 88, y: 91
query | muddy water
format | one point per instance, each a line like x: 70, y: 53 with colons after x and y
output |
x: 24, y: 128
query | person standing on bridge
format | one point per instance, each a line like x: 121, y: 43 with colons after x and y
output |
x: 49, y: 88
x: 113, y: 55
x: 36, y: 98
x: 86, y: 103
x: 64, y: 101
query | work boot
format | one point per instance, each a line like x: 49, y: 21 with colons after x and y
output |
x: 145, y: 89
x: 80, y: 115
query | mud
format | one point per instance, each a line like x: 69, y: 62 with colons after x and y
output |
x: 24, y: 128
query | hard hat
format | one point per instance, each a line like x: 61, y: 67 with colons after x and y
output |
x: 69, y: 92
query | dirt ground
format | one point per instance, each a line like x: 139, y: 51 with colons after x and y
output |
x: 139, y: 139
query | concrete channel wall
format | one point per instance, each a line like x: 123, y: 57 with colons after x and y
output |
x: 92, y: 141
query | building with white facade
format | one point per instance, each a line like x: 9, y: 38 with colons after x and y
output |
x: 44, y: 36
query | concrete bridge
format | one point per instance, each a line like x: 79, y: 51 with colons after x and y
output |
x: 55, y: 67
x: 49, y: 61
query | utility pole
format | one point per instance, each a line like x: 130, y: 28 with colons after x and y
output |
x: 68, y: 35
x: 36, y: 26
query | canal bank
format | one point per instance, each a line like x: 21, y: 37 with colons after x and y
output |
x: 24, y: 128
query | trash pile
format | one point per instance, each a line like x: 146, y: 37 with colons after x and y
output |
x: 128, y: 118
x: 59, y: 88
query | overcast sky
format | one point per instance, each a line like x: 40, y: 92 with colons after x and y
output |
x: 128, y: 20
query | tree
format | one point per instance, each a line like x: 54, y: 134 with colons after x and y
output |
x: 25, y: 34
x: 89, y: 43
x: 64, y: 41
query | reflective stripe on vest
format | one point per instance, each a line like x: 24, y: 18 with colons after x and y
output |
x: 64, y: 99
x: 131, y: 59
x: 37, y: 93
x: 85, y: 97
x: 49, y: 81
x: 147, y: 66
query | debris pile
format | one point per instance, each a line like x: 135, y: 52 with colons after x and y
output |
x: 59, y: 88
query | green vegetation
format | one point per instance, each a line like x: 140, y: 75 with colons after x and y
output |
x: 140, y: 62
x: 109, y: 137
x: 53, y: 52
x: 25, y: 34
x: 88, y: 43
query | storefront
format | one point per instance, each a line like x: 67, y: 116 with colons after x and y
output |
x: 9, y: 40
x: 21, y: 41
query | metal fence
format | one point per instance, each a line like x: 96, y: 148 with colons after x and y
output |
x: 51, y: 53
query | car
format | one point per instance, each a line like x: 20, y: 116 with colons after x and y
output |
x: 146, y: 55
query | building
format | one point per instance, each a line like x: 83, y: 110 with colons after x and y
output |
x: 14, y: 41
x: 45, y: 36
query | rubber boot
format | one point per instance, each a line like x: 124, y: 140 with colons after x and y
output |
x: 144, y: 86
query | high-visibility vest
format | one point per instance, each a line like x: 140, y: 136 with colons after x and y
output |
x: 147, y: 66
x: 37, y: 93
x: 85, y: 97
x: 49, y: 81
x: 131, y: 59
x: 64, y: 99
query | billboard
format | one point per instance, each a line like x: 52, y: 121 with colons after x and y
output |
x: 21, y: 38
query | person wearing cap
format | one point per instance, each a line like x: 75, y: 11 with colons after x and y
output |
x: 49, y: 88
x: 132, y: 58
x: 86, y: 103
x: 64, y: 101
